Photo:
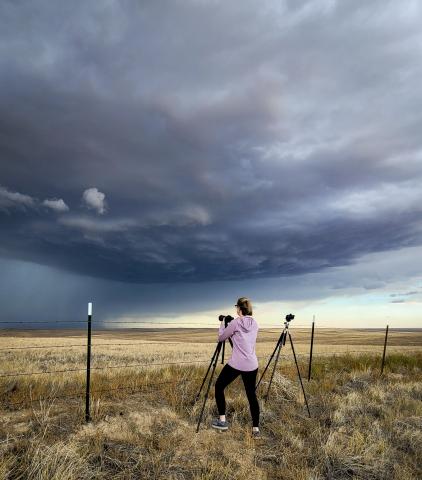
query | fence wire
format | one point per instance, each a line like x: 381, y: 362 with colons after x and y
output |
x: 135, y: 322
x: 135, y: 389
x: 92, y: 345
x: 155, y: 364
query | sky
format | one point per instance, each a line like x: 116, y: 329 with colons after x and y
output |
x: 161, y: 159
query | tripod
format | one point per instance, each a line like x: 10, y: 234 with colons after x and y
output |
x: 280, y: 343
x: 214, y: 359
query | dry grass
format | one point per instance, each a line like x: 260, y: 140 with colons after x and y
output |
x: 363, y: 426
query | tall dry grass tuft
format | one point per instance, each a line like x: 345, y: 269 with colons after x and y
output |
x: 58, y: 461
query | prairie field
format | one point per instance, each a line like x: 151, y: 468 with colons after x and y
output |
x: 363, y: 425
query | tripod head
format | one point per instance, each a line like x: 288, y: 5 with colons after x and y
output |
x: 287, y: 321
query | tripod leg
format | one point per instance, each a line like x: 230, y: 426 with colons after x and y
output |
x: 272, y: 374
x: 222, y: 353
x: 206, y: 375
x: 269, y: 361
x: 209, y: 385
x: 298, y: 372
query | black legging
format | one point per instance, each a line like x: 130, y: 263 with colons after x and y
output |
x: 227, y: 375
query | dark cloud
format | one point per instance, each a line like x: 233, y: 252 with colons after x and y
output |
x: 406, y: 294
x: 228, y: 141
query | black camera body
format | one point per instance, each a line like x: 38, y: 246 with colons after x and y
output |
x: 289, y: 317
x: 226, y: 319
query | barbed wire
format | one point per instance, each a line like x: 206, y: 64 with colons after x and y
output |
x: 94, y: 345
x: 180, y: 324
x: 42, y: 321
x: 150, y: 325
x: 136, y: 322
x: 285, y: 355
x: 47, y: 372
x: 67, y: 395
x: 79, y: 394
x: 141, y: 322
x: 104, y: 323
x: 29, y: 347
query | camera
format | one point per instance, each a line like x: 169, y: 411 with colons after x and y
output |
x: 226, y: 319
x: 289, y: 317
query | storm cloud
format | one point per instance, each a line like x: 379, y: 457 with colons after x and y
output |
x: 194, y: 141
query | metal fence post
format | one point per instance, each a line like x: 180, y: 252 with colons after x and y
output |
x: 88, y: 366
x: 385, y: 347
x: 312, y: 347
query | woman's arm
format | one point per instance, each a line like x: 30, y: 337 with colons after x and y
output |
x: 225, y: 333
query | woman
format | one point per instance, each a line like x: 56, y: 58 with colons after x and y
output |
x: 242, y: 331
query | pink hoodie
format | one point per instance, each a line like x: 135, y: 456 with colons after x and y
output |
x: 243, y: 332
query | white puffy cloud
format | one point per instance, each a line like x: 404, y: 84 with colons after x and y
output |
x: 95, y: 200
x: 10, y: 199
x: 56, y: 204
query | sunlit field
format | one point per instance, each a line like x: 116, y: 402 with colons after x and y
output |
x: 143, y: 383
